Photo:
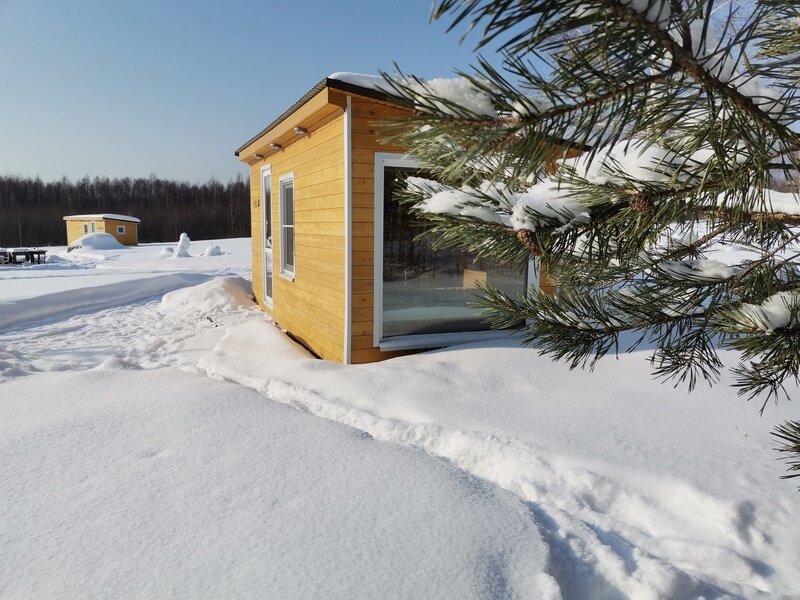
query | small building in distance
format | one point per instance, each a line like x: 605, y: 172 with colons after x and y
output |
x: 124, y: 228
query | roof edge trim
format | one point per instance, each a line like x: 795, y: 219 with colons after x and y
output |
x: 325, y: 83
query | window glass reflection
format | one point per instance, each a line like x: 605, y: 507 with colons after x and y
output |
x: 425, y: 290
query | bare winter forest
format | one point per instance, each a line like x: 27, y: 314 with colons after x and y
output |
x: 31, y: 210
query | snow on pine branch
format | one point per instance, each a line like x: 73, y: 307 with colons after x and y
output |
x: 776, y: 312
x: 540, y: 205
x: 629, y: 164
x: 697, y: 269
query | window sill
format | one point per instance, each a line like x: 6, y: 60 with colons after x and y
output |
x: 439, y: 340
x: 287, y: 275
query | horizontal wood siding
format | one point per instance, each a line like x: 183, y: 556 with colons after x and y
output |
x: 367, y: 140
x: 131, y: 235
x: 311, y: 307
x: 74, y: 230
x: 257, y: 236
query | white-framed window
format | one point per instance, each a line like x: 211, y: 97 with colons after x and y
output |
x: 286, y: 186
x: 85, y: 228
x: 94, y: 225
x: 423, y: 296
x: 121, y: 229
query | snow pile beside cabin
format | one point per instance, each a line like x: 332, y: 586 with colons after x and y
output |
x: 96, y: 241
x: 223, y: 294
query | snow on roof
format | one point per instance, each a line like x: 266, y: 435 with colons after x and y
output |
x: 372, y: 82
x: 102, y: 216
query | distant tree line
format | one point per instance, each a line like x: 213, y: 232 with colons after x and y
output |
x: 32, y: 211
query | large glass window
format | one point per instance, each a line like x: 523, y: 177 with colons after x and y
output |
x: 428, y: 291
x: 287, y: 225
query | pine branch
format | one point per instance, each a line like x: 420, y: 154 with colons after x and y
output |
x: 788, y: 434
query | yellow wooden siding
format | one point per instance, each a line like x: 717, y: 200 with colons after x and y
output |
x: 367, y: 140
x: 131, y: 235
x: 310, y: 307
x: 74, y: 230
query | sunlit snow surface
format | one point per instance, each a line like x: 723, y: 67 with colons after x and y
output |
x: 129, y: 473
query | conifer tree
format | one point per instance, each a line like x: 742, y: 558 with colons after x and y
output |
x: 623, y: 143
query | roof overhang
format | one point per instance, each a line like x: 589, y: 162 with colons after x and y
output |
x: 310, y: 104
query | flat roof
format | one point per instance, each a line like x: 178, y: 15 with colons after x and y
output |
x: 109, y: 216
x: 337, y: 81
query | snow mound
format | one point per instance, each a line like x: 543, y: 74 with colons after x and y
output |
x: 96, y: 241
x: 167, y: 251
x: 220, y: 295
x: 212, y: 251
x: 182, y: 249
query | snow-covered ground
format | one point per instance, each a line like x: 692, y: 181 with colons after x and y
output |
x: 127, y: 471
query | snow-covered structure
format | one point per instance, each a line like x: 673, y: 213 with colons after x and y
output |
x: 124, y: 228
x: 336, y: 258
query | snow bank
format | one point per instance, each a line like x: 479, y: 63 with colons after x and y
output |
x: 212, y: 251
x: 223, y: 294
x: 177, y: 486
x: 642, y: 492
x: 638, y: 490
x: 96, y: 241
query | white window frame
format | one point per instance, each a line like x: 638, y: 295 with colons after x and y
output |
x: 94, y: 227
x: 421, y: 341
x: 120, y: 229
x: 288, y: 178
x: 85, y: 228
x: 267, y: 170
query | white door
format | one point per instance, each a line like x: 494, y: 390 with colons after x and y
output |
x: 266, y: 213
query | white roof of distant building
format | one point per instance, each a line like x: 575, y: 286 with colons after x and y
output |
x: 102, y: 216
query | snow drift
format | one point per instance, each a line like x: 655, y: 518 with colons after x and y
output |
x: 223, y: 294
x: 96, y: 241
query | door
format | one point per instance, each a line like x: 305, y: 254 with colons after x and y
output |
x: 266, y: 214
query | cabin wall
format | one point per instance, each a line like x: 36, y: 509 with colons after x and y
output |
x: 131, y: 235
x: 311, y: 307
x: 74, y: 230
x: 366, y: 127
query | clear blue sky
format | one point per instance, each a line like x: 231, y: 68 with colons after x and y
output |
x: 171, y: 88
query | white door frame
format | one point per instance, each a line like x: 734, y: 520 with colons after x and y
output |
x: 266, y: 172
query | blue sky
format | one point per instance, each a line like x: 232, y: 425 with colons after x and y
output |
x: 172, y: 88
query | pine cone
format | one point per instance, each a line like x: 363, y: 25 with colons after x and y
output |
x: 528, y: 240
x: 641, y: 203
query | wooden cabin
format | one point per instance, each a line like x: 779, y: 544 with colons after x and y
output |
x: 335, y: 259
x: 122, y: 227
